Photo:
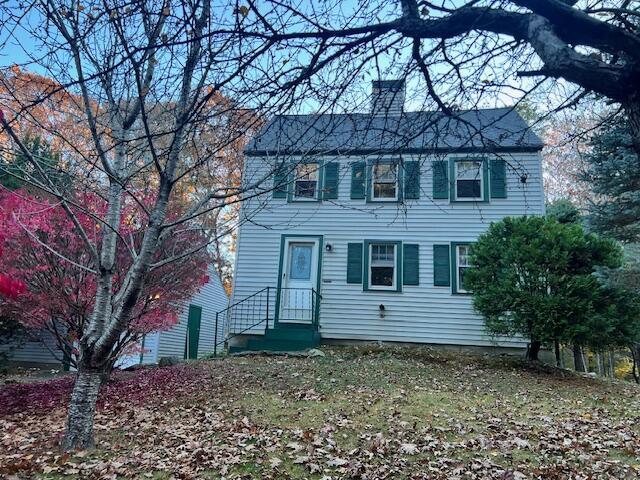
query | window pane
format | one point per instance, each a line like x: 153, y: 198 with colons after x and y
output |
x: 382, y: 254
x: 300, y: 262
x: 464, y: 264
x: 469, y: 170
x: 463, y: 256
x: 384, y: 190
x: 306, y: 188
x: 384, y: 173
x: 468, y: 189
x: 461, y: 276
x: 307, y: 171
x: 306, y: 180
x: 382, y: 264
x: 469, y: 179
x: 382, y: 276
x: 384, y: 180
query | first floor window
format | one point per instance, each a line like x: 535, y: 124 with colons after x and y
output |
x: 384, y: 181
x: 382, y: 266
x: 306, y: 181
x: 463, y: 264
x: 469, y: 180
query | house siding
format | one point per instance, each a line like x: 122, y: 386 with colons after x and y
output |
x: 37, y: 348
x: 422, y: 313
x: 211, y: 298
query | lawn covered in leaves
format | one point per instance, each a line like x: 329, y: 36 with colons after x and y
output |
x: 369, y: 413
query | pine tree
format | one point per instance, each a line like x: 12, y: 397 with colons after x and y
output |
x: 564, y: 211
x: 17, y: 172
x: 613, y: 171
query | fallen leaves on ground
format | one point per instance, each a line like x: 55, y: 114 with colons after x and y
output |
x: 363, y: 413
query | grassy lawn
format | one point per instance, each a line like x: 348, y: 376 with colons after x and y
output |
x: 365, y: 413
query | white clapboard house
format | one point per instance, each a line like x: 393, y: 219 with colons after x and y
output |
x: 363, y: 230
x: 192, y: 337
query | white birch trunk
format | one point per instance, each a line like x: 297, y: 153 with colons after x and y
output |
x: 79, y: 431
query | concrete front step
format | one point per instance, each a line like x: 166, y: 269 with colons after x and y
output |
x: 279, y: 345
x: 290, y: 334
x: 284, y: 337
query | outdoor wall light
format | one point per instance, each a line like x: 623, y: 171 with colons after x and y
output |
x: 328, y: 247
x: 382, y: 309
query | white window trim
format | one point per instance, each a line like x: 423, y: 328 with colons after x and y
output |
x: 393, y: 285
x: 373, y: 190
x: 482, y: 180
x: 316, y: 193
x: 459, y: 287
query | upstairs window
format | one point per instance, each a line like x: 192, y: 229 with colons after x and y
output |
x: 463, y: 264
x: 469, y: 180
x: 384, y: 178
x: 306, y: 181
x: 382, y: 266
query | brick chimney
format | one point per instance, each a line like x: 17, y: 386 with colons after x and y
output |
x: 387, y: 98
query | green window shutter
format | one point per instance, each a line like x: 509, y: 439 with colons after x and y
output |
x: 441, y: 266
x: 410, y: 264
x: 498, y: 178
x: 368, y: 178
x: 330, y: 190
x: 354, y: 263
x: 401, y: 181
x: 358, y: 180
x: 440, y: 179
x: 412, y: 180
x: 485, y: 175
x: 280, y: 181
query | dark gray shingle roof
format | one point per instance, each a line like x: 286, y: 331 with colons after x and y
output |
x: 471, y: 130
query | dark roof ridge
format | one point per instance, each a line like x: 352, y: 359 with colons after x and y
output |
x: 477, y: 129
x: 369, y: 114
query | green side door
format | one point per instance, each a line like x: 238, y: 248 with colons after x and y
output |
x: 193, y: 332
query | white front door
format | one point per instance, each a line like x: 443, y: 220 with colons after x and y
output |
x: 299, y: 278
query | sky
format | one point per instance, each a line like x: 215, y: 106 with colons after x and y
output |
x: 21, y: 48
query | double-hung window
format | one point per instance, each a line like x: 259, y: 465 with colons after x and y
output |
x: 384, y: 181
x: 469, y: 180
x: 306, y: 181
x: 463, y: 263
x: 382, y: 266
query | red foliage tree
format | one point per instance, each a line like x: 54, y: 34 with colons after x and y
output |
x: 9, y: 287
x: 43, y: 255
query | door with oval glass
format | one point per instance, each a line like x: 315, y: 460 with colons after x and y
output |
x: 299, y: 278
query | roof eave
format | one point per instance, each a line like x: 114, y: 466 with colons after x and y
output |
x: 407, y: 151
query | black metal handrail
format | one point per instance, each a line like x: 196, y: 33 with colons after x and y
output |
x: 300, y: 305
x: 316, y: 309
x: 242, y: 316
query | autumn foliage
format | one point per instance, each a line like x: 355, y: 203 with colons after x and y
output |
x: 39, y: 106
x: 58, y: 286
x: 9, y: 288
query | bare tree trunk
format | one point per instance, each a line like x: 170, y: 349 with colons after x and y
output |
x: 599, y: 364
x: 556, y: 345
x: 79, y: 431
x: 612, y: 364
x: 634, y: 357
x: 533, y: 350
x: 578, y: 359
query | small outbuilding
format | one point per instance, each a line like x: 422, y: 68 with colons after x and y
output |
x: 192, y: 337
